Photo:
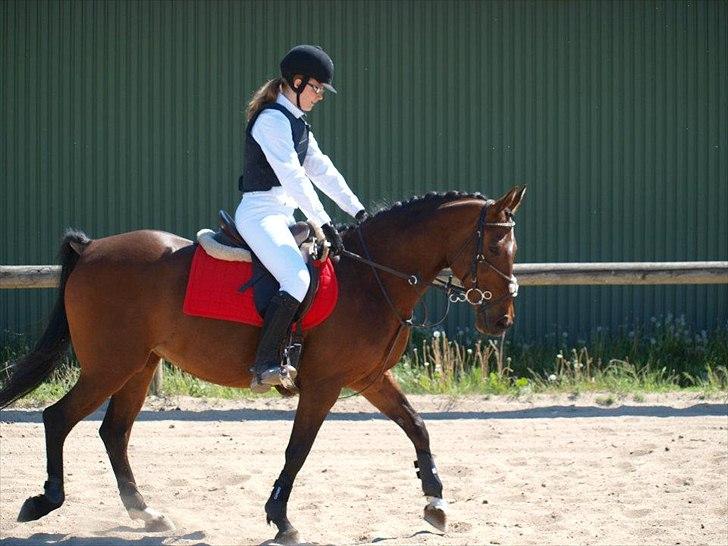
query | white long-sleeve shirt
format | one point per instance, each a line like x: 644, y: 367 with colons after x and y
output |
x: 272, y: 131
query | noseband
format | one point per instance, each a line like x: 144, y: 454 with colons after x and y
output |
x: 474, y: 295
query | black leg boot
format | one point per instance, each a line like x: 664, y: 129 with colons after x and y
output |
x: 267, y: 369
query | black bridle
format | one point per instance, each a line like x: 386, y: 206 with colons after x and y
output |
x: 474, y: 295
x: 454, y: 293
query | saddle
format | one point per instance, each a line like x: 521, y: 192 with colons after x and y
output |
x: 309, y: 239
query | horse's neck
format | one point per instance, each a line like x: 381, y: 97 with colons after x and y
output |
x: 420, y: 248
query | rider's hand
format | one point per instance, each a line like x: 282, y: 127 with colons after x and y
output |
x: 333, y: 237
x: 361, y: 216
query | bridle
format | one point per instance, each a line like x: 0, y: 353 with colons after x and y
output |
x: 454, y: 293
x: 465, y: 295
x: 473, y: 295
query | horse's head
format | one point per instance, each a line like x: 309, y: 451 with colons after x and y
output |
x: 484, y: 262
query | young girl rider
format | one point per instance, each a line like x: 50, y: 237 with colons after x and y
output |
x: 282, y: 158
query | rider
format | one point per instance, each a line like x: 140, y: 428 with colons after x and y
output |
x: 282, y: 158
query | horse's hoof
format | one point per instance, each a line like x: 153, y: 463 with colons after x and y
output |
x: 154, y: 521
x: 436, y: 513
x: 289, y: 536
x: 36, y: 507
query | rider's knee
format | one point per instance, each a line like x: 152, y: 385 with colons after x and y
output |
x: 297, y: 285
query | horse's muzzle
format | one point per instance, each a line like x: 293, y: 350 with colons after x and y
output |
x: 486, y: 325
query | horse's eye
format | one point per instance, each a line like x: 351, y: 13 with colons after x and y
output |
x: 493, y: 250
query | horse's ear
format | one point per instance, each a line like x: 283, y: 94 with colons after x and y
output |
x: 510, y: 200
x: 517, y: 199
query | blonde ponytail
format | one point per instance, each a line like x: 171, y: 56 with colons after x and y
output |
x: 266, y: 94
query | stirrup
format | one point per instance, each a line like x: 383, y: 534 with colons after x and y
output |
x: 275, y: 375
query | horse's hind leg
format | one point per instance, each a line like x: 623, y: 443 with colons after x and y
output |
x: 388, y: 398
x: 83, y: 398
x: 115, y: 431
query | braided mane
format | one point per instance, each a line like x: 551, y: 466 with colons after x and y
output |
x: 428, y: 198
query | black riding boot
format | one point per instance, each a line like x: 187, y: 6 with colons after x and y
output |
x: 267, y: 369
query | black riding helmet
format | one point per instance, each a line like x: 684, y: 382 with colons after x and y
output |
x: 310, y: 62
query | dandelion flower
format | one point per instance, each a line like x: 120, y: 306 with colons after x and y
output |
x: 552, y: 377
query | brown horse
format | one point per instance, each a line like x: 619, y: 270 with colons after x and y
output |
x: 120, y: 305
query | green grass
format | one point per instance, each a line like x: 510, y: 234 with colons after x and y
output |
x: 180, y: 383
x: 663, y: 356
x: 58, y: 384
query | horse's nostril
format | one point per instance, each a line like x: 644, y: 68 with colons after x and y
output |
x: 504, y: 322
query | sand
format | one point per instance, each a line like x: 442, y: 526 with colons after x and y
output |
x: 543, y: 470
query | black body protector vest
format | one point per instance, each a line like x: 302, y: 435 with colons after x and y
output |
x: 257, y: 174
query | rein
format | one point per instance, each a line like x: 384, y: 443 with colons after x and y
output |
x: 454, y: 293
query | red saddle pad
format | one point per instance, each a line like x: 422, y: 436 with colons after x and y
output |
x: 213, y: 291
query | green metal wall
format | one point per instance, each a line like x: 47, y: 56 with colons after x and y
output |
x: 123, y: 115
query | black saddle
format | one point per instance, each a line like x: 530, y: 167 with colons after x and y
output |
x: 263, y: 281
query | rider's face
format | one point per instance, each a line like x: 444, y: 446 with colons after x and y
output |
x: 312, y: 93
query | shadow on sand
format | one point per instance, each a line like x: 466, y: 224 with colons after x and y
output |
x: 193, y: 539
x: 163, y: 539
x: 546, y: 412
x: 383, y: 539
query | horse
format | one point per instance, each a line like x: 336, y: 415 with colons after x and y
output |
x: 120, y: 306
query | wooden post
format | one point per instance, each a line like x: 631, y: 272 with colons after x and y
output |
x: 156, y: 385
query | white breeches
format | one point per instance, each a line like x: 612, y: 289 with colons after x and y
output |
x: 264, y: 225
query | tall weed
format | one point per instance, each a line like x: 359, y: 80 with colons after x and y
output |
x: 662, y: 355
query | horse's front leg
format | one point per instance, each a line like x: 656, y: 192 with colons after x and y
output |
x: 313, y: 406
x: 388, y: 398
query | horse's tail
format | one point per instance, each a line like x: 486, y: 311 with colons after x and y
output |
x: 29, y: 371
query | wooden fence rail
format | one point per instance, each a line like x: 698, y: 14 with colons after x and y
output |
x: 604, y: 273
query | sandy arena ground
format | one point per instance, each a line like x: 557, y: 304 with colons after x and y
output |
x: 548, y: 470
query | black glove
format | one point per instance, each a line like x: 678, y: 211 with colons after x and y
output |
x: 333, y: 237
x: 361, y: 216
